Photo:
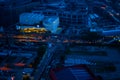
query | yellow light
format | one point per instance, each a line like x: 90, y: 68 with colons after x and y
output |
x: 36, y: 30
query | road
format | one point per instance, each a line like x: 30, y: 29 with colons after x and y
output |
x: 44, y: 62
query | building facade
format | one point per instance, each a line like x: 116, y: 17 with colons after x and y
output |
x: 72, y: 15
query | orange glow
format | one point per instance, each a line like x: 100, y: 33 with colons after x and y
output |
x: 28, y: 40
x: 5, y: 69
x: 0, y: 35
x: 19, y: 64
x: 36, y: 30
x: 31, y: 65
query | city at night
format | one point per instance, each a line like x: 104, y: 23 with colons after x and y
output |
x: 59, y: 39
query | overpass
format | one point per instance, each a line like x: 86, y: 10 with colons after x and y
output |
x: 45, y: 62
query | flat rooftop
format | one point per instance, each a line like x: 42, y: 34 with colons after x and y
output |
x: 78, y: 72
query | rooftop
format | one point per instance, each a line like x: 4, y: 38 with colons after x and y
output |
x: 78, y: 72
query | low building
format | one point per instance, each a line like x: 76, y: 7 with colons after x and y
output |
x: 38, y: 23
x: 51, y: 23
x: 30, y: 18
x: 78, y: 72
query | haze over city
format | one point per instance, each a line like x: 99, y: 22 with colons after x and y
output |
x: 59, y: 39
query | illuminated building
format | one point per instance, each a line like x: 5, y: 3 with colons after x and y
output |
x: 51, y: 23
x: 73, y: 15
x: 30, y: 18
x: 76, y: 14
x: 35, y: 30
x: 30, y: 22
